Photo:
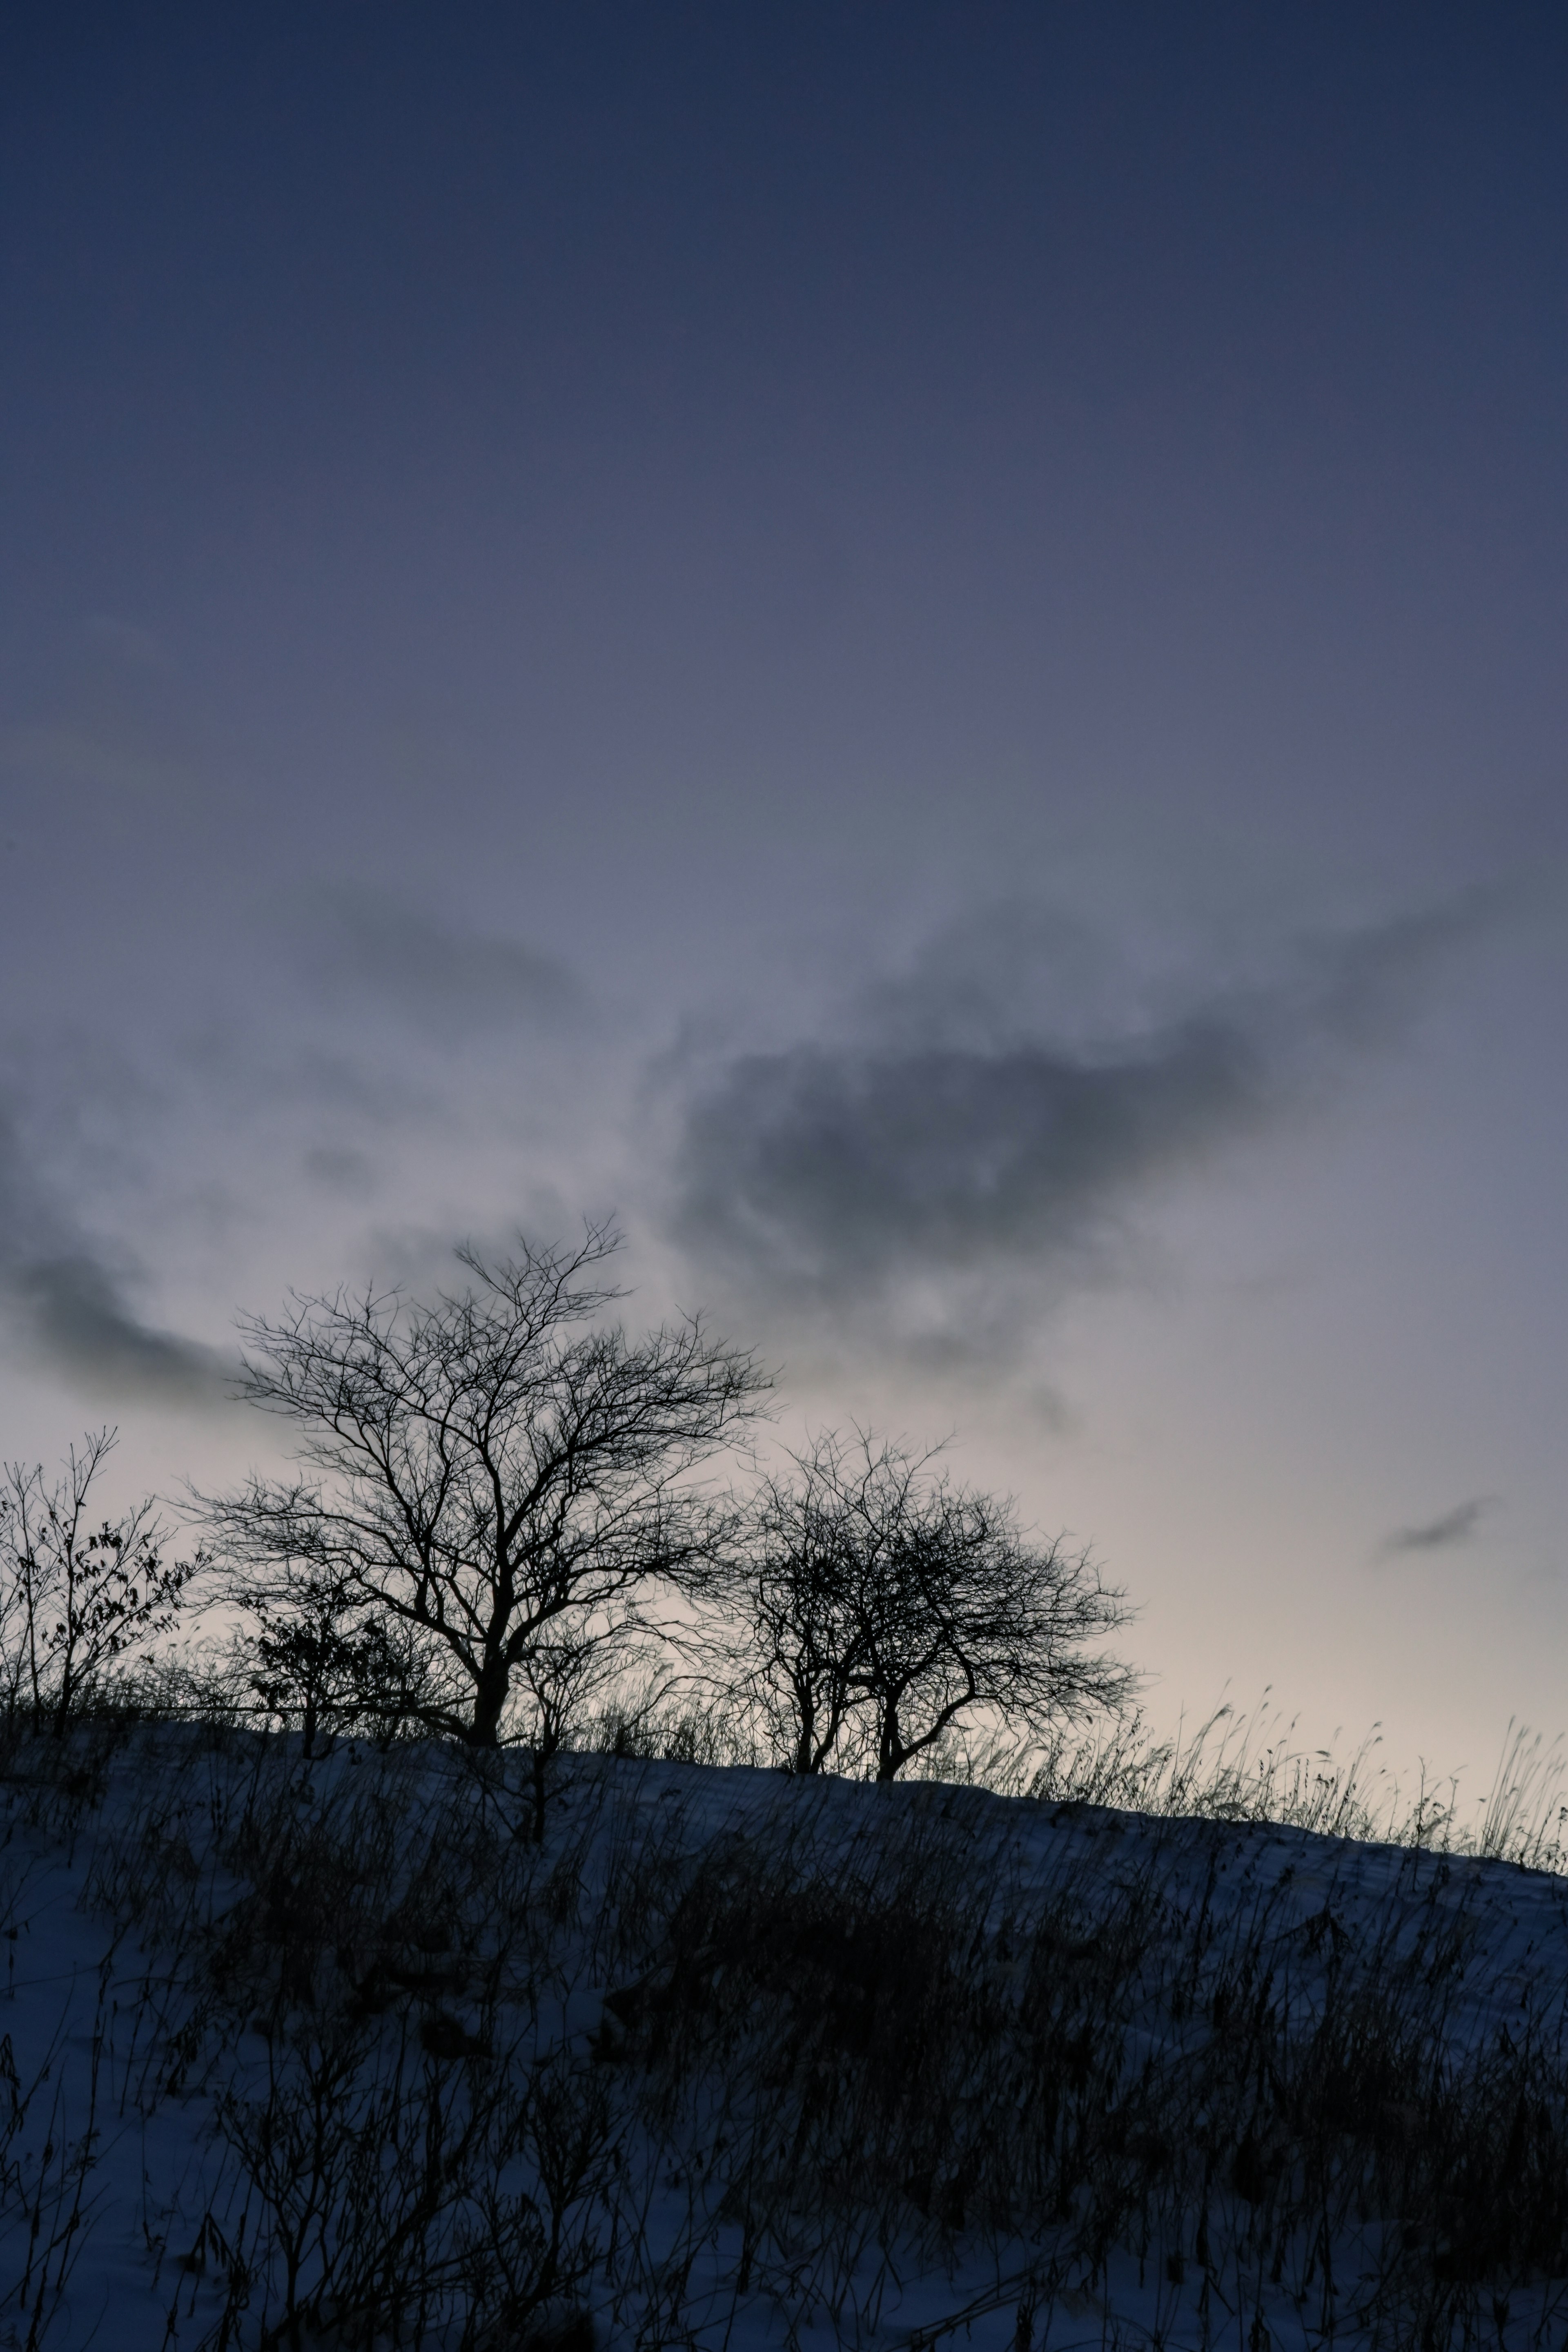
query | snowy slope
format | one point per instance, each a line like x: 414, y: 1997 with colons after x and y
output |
x: 734, y: 2060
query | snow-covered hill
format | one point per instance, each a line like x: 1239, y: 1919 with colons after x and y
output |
x: 333, y: 2052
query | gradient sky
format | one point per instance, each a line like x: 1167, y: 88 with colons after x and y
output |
x: 921, y: 649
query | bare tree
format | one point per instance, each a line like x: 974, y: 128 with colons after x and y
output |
x: 478, y: 1468
x: 75, y: 1597
x: 879, y: 1597
x: 314, y: 1655
x: 784, y: 1639
x: 579, y: 1662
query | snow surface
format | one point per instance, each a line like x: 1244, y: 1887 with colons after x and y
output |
x: 91, y: 2022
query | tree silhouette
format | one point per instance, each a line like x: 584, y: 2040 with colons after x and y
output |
x: 479, y: 1467
x: 877, y: 1597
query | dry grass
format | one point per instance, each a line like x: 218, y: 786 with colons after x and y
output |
x: 822, y: 2053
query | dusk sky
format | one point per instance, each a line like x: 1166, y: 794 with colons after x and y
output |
x: 921, y: 648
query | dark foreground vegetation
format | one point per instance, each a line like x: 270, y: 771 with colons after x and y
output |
x: 731, y: 2058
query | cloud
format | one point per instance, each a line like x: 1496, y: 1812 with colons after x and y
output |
x: 1000, y: 1109
x: 1446, y: 1534
x: 69, y: 1307
x: 442, y: 978
x: 81, y: 1323
x: 829, y: 1170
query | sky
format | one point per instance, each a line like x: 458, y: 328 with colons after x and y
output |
x: 919, y: 650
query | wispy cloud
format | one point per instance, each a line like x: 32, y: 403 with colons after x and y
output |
x: 829, y: 1170
x: 67, y: 1305
x: 1446, y: 1533
x: 977, y: 1118
x: 395, y: 953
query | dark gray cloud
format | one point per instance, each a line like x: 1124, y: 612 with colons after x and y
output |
x: 1444, y: 1534
x: 977, y: 1124
x: 78, y: 1318
x: 445, y: 979
x: 68, y: 1306
x: 831, y: 1170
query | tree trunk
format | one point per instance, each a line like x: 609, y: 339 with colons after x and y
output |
x: 806, y: 1747
x: 891, y: 1745
x: 489, y: 1701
